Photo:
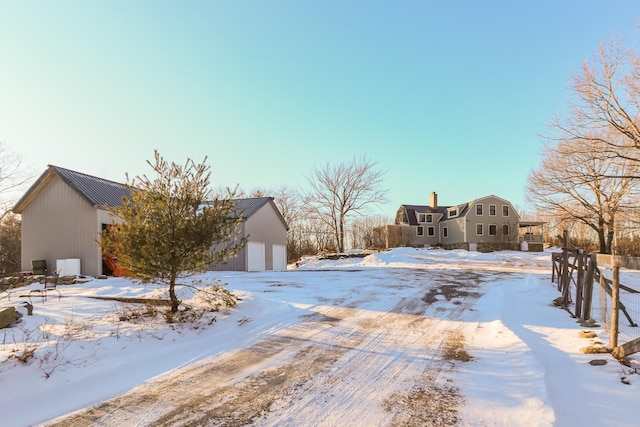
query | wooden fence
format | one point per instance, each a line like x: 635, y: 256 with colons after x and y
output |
x: 575, y: 271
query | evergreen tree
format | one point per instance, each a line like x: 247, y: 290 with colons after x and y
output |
x: 9, y: 244
x: 171, y: 227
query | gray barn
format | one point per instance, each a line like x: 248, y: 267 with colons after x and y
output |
x: 64, y: 212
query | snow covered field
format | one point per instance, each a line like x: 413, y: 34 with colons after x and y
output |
x: 405, y: 337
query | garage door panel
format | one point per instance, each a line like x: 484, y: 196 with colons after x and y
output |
x: 279, y: 257
x: 255, y: 256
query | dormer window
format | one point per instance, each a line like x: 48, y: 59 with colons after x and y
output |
x: 423, y: 217
x: 453, y: 212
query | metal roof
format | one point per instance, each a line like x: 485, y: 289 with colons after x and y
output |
x: 248, y: 207
x: 251, y: 205
x: 101, y: 192
x: 97, y: 191
x: 244, y: 207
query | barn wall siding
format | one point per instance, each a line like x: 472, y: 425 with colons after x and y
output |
x: 59, y: 224
x: 236, y: 263
x: 265, y: 226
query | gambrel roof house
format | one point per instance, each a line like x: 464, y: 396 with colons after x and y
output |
x: 64, y: 212
x: 488, y: 223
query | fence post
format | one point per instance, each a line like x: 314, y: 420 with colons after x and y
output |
x: 580, y: 283
x: 615, y: 301
x: 564, y: 281
x: 588, y: 288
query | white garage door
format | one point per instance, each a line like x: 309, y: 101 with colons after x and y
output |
x: 255, y: 256
x: 279, y: 257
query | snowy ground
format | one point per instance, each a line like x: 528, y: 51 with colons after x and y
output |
x: 406, y: 337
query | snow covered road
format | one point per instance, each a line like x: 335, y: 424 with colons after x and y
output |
x: 344, y: 362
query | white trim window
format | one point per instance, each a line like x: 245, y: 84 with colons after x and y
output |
x: 493, y: 230
x: 420, y: 230
x: 492, y: 210
x: 505, y: 210
x: 452, y: 212
x: 429, y: 218
x: 445, y: 232
x: 422, y: 217
x: 479, y: 229
x: 505, y: 229
x: 479, y: 209
x: 431, y: 231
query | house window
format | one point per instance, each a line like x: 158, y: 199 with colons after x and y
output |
x: 479, y: 229
x: 422, y: 217
x: 445, y: 232
x: 505, y: 210
x: 420, y: 230
x: 493, y: 230
x: 453, y: 213
x: 431, y: 231
x: 492, y: 210
x: 479, y: 209
x: 429, y: 218
x: 505, y: 229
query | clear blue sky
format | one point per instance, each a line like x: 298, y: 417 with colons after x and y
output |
x: 448, y: 96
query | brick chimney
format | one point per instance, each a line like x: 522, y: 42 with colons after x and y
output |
x: 433, y: 200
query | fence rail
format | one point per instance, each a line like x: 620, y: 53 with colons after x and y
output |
x: 578, y: 273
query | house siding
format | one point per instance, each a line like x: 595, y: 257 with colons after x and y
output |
x: 455, y: 228
x: 60, y: 224
x: 486, y: 220
x: 409, y: 229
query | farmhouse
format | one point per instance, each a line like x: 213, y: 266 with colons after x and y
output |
x: 64, y: 212
x: 488, y: 223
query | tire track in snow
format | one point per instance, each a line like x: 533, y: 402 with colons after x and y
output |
x: 339, y: 365
x: 229, y: 390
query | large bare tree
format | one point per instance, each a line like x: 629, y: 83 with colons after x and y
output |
x: 606, y: 106
x: 575, y: 182
x: 339, y: 191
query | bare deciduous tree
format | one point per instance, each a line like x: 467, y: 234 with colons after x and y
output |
x: 361, y: 230
x: 606, y: 108
x: 575, y: 182
x: 289, y: 202
x: 339, y: 191
x: 12, y: 177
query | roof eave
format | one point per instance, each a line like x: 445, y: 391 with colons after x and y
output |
x: 33, y: 191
